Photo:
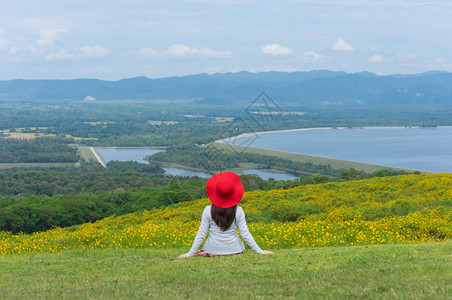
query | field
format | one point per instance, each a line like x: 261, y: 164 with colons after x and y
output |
x: 417, y: 271
x: 19, y: 134
x: 398, y: 209
x: 253, y: 166
x: 32, y: 165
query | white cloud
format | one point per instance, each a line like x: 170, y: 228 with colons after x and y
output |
x: 276, y: 49
x: 211, y: 53
x: 181, y: 50
x: 145, y: 51
x: 341, y: 45
x: 184, y: 50
x: 50, y: 35
x: 84, y: 52
x: 376, y: 58
x: 96, y: 51
x: 312, y: 55
x: 62, y: 55
x: 47, y: 43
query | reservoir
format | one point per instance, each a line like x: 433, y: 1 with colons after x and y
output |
x: 138, y: 155
x: 424, y: 149
x: 126, y: 154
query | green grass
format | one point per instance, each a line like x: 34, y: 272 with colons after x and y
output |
x: 255, y: 166
x: 86, y: 154
x: 416, y: 271
x: 317, y: 160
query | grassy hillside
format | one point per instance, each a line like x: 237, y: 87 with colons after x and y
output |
x: 399, y: 209
x: 388, y: 238
x: 417, y: 271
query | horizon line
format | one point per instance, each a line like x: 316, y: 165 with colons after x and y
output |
x: 231, y: 72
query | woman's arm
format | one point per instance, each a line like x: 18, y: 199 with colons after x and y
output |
x: 245, y: 233
x: 202, y: 231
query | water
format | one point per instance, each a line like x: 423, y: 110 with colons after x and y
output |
x: 138, y: 154
x: 266, y: 175
x: 185, y: 172
x: 126, y: 154
x: 425, y: 149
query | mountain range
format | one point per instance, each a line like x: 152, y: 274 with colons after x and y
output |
x: 300, y: 88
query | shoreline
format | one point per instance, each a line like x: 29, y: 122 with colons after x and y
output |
x: 131, y: 147
x: 250, y: 134
x: 334, y: 159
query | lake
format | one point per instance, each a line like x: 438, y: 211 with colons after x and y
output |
x: 138, y: 155
x: 424, y: 149
x: 126, y: 154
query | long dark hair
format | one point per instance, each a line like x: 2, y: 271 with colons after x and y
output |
x: 223, y: 217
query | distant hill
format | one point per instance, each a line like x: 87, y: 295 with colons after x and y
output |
x: 303, y: 88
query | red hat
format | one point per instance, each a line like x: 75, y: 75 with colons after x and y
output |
x: 225, y: 189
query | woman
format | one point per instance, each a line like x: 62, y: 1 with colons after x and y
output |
x: 222, y: 219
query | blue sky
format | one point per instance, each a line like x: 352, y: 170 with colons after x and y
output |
x: 115, y: 39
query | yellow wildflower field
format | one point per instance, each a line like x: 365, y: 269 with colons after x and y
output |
x: 399, y: 209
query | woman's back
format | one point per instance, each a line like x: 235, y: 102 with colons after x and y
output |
x: 225, y: 191
x: 221, y: 242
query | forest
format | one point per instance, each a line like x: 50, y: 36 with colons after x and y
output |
x: 89, y: 178
x: 39, y: 150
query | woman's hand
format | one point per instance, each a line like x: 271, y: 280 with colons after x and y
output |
x: 268, y: 252
x: 182, y: 256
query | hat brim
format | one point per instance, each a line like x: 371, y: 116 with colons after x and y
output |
x: 218, y: 200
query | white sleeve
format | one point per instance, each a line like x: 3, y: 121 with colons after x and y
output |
x: 245, y: 233
x: 202, y: 231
